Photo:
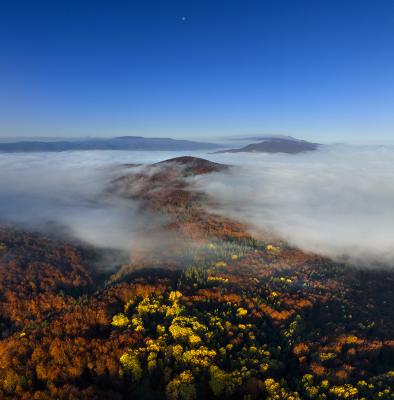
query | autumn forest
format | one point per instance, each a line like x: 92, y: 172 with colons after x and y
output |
x: 219, y: 314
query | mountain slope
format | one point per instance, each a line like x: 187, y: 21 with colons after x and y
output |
x: 223, y: 315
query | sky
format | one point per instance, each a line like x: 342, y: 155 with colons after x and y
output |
x: 198, y: 69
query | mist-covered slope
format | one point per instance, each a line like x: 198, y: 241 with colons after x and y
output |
x: 199, y: 307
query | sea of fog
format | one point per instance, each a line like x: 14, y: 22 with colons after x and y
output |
x: 338, y: 201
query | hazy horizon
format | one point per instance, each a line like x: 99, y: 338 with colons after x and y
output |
x: 231, y: 140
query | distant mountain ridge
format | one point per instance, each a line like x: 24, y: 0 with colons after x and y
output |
x: 287, y: 144
x: 118, y: 143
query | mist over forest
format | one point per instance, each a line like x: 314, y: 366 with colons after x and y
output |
x: 336, y: 201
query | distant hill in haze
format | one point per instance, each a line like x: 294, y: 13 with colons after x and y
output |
x: 118, y: 143
x: 285, y: 144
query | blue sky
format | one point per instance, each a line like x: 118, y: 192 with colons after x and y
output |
x: 321, y: 70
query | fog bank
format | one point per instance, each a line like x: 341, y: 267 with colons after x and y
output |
x: 338, y: 201
x: 66, y: 193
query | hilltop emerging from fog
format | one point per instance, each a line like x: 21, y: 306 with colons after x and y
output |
x: 276, y: 144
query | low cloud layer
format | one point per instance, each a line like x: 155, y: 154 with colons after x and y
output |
x: 337, y: 202
x: 66, y: 192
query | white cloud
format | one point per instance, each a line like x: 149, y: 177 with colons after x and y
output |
x: 68, y: 191
x: 337, y: 202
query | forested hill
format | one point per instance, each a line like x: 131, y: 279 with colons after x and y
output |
x: 209, y: 311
